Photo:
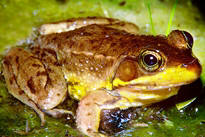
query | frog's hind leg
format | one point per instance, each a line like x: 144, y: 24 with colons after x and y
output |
x: 16, y: 91
x: 73, y: 24
x: 56, y: 84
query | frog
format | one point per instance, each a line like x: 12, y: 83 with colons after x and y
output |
x: 103, y: 63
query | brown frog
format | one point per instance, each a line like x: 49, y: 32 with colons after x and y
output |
x: 102, y: 62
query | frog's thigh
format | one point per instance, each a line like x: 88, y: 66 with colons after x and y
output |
x: 73, y: 24
x: 88, y: 112
x: 55, y: 86
x: 31, y: 77
x: 43, y: 83
x: 14, y: 89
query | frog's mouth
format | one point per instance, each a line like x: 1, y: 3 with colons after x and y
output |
x: 142, y: 94
x: 150, y: 89
x: 171, y: 77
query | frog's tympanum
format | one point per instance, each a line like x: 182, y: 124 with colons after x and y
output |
x: 104, y: 63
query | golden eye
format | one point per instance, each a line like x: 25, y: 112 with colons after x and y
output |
x: 150, y: 60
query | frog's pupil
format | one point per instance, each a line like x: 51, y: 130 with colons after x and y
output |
x: 150, y: 59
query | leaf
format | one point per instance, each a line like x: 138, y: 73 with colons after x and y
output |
x: 184, y: 104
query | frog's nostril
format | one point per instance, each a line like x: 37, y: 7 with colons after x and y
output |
x: 193, y: 65
x: 183, y: 65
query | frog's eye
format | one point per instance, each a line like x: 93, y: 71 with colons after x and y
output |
x: 189, y: 39
x: 181, y: 39
x: 150, y: 60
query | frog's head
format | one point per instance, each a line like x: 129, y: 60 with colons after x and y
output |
x: 160, y: 64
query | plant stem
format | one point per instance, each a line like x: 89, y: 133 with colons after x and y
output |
x: 171, y: 18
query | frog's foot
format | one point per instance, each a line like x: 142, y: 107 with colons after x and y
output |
x: 57, y: 113
x: 73, y: 24
x: 89, y: 110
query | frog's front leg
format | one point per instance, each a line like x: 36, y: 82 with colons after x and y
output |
x: 73, y: 24
x: 89, y: 110
x: 89, y: 116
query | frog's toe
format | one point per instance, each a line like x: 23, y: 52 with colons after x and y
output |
x: 58, y: 112
x: 42, y: 117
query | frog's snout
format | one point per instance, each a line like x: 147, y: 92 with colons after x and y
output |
x: 193, y: 66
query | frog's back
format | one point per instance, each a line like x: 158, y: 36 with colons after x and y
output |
x: 93, y: 39
x: 97, y: 40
